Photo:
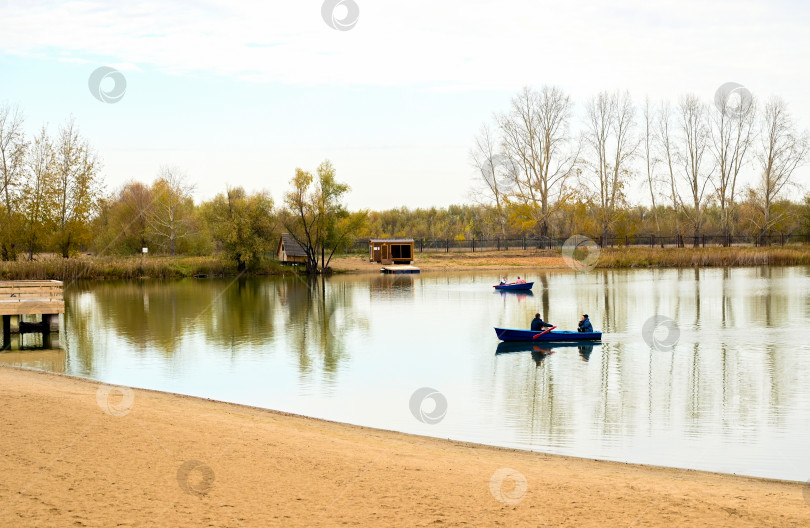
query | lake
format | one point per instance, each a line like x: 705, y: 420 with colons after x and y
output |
x: 720, y: 383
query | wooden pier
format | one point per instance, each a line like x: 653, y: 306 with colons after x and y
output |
x: 35, y: 297
x: 397, y: 270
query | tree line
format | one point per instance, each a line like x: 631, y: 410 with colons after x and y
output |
x: 537, y: 175
x: 534, y: 177
x: 54, y: 201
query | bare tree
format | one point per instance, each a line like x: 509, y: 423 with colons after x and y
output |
x: 609, y: 133
x: 492, y: 169
x: 169, y: 215
x: 781, y: 151
x: 536, y: 142
x: 695, y: 141
x: 668, y: 145
x: 12, y: 175
x: 648, y: 143
x: 731, y: 128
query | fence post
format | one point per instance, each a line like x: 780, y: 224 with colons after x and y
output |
x: 421, y: 244
x: 499, y: 243
x: 473, y: 244
x: 652, y: 241
x: 447, y: 246
x: 524, y: 243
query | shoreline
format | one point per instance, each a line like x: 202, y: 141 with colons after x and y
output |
x: 377, y: 430
x: 354, y: 474
x: 165, y: 267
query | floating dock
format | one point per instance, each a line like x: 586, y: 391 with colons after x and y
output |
x: 39, y: 297
x: 397, y: 270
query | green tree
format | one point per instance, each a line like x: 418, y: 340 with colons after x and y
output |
x: 78, y: 188
x: 39, y: 196
x: 316, y: 216
x: 243, y: 225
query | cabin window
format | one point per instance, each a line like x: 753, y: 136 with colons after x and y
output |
x: 401, y: 251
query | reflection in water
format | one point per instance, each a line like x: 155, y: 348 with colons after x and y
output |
x: 731, y: 396
x: 50, y: 360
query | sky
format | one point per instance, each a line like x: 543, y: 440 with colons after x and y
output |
x: 242, y: 93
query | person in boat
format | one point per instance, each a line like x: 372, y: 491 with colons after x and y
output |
x: 585, y: 324
x: 520, y: 281
x: 503, y: 281
x: 538, y: 325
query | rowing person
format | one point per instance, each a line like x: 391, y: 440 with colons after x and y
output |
x: 585, y: 324
x: 520, y: 281
x: 538, y: 325
x: 503, y: 281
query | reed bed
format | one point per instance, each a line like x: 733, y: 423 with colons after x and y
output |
x: 703, y: 257
x: 96, y: 268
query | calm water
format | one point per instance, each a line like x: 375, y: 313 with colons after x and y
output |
x: 732, y: 396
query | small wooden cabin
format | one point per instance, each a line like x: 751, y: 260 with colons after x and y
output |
x: 390, y: 250
x: 290, y: 251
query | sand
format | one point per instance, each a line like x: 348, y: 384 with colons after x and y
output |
x: 72, y: 454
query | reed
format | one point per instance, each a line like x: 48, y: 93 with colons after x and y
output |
x: 96, y: 268
x: 703, y: 257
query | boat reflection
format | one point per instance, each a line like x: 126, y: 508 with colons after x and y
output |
x: 512, y: 294
x: 541, y: 350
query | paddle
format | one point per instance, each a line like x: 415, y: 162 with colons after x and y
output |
x: 544, y: 332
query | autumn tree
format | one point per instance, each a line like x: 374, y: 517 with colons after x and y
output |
x: 169, y: 215
x: 731, y: 129
x: 539, y: 153
x: 316, y: 217
x: 13, y: 147
x: 781, y: 151
x: 243, y: 225
x: 78, y: 188
x: 122, y: 222
x: 40, y: 194
x: 612, y: 145
x: 696, y: 169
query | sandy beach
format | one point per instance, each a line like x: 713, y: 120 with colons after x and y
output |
x: 77, y: 453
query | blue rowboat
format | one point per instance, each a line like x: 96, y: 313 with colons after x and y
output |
x: 512, y: 335
x: 514, y: 286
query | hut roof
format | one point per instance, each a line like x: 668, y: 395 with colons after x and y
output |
x: 291, y: 246
x: 394, y: 240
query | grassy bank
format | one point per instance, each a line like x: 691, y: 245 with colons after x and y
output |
x: 87, y: 267
x: 703, y: 257
x: 632, y: 257
x: 98, y: 268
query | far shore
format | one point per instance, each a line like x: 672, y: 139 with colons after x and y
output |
x: 90, y: 267
x: 78, y: 453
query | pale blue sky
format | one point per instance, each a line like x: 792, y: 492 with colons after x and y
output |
x: 243, y: 94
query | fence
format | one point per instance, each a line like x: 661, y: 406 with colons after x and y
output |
x: 651, y: 241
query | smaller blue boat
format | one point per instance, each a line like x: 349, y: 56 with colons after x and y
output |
x: 514, y: 286
x: 513, y: 335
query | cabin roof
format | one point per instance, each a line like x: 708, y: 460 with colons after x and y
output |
x: 291, y: 246
x: 394, y: 240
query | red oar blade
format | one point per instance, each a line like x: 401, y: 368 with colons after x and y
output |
x: 544, y: 332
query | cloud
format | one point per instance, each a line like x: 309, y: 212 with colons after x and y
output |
x: 468, y: 44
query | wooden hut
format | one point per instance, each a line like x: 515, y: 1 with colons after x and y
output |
x: 290, y: 251
x: 390, y: 250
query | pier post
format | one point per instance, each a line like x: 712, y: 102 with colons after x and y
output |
x: 50, y: 323
x: 6, y: 331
